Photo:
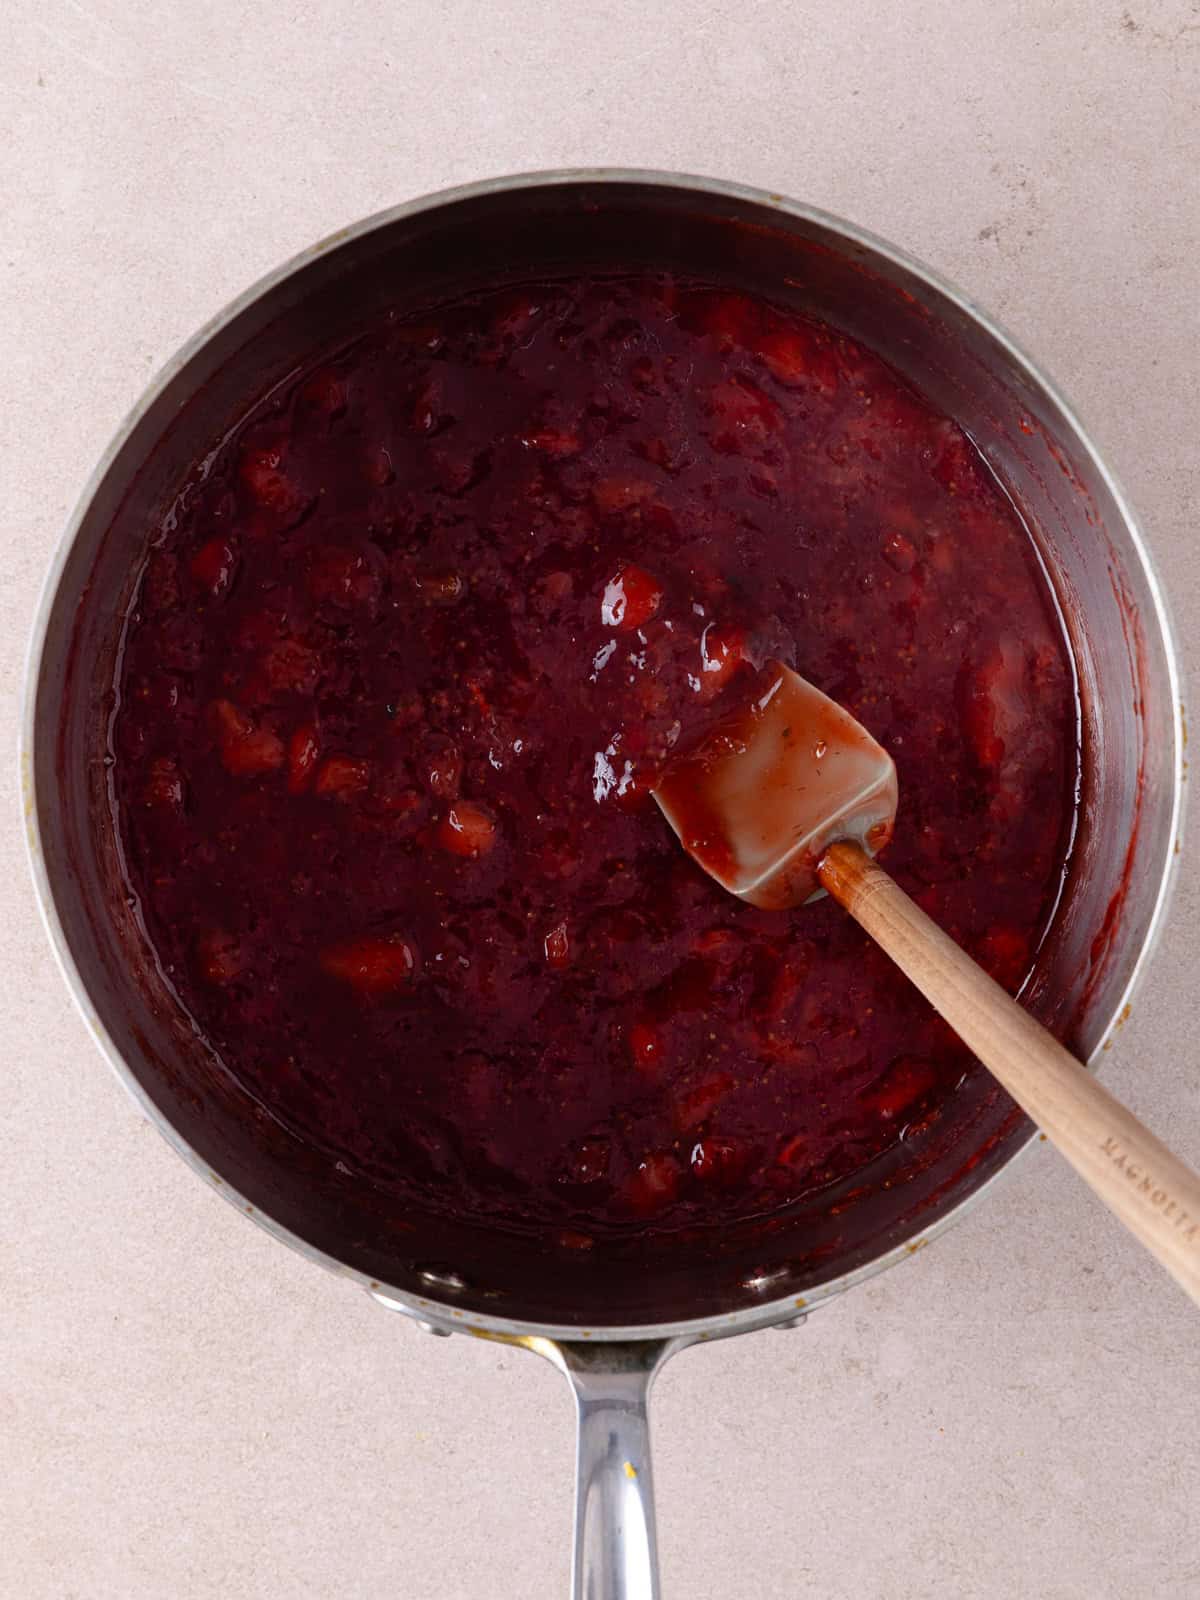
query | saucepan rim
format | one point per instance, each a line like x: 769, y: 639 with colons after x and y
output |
x: 432, y: 1310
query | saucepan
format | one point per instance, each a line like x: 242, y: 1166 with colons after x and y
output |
x: 609, y: 1321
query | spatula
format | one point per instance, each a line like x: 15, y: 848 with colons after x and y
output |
x: 789, y: 796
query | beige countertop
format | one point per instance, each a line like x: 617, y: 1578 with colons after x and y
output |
x: 188, y: 1409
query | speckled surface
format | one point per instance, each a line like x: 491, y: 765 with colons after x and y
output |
x: 186, y: 1408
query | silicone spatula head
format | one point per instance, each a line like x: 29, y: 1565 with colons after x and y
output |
x: 770, y: 787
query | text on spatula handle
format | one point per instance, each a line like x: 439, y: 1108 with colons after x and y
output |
x: 1187, y: 1225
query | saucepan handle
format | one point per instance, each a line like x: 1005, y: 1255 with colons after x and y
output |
x: 616, y: 1553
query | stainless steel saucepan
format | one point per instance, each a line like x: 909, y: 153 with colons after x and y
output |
x: 608, y: 1321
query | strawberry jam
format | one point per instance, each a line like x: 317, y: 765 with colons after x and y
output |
x: 404, y: 661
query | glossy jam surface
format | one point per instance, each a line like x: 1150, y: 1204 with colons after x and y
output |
x: 404, y: 661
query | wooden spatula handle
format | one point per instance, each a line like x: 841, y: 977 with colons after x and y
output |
x: 1153, y: 1193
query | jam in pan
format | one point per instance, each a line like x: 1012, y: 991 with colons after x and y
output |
x: 404, y: 661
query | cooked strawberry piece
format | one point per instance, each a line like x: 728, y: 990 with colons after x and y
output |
x: 796, y: 1153
x: 443, y: 772
x: 654, y: 1183
x: 733, y: 320
x: 631, y: 598
x: 443, y: 588
x: 899, y: 552
x: 696, y: 1105
x: 372, y: 966
x: 672, y: 455
x: 427, y: 414
x: 557, y: 946
x: 952, y: 458
x: 343, y: 777
x: 160, y: 587
x: 572, y: 1239
x: 326, y: 392
x: 263, y: 473
x: 515, y: 316
x: 646, y: 1048
x: 904, y: 1083
x: 996, y: 706
x: 458, y: 470
x: 743, y: 418
x: 377, y: 464
x: 722, y: 655
x: 218, y: 956
x: 589, y: 1161
x: 800, y: 356
x: 289, y: 666
x: 553, y: 441
x: 213, y: 566
x: 246, y: 748
x: 342, y: 577
x: 721, y: 946
x: 393, y: 795
x: 643, y: 374
x: 164, y: 785
x: 554, y: 589
x: 559, y: 858
x: 303, y: 753
x: 722, y: 1162
x: 1005, y: 954
x: 467, y: 830
x: 621, y: 494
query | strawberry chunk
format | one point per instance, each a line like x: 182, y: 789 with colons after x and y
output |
x: 218, y: 956
x: 290, y: 667
x: 589, y: 1161
x: 696, y: 1105
x: 303, y: 752
x: 443, y: 773
x: 245, y: 748
x: 164, y: 785
x: 342, y: 577
x: 646, y: 1048
x: 442, y: 588
x: 515, y: 316
x: 721, y: 1162
x: 672, y: 455
x: 952, y: 458
x: 731, y: 319
x: 553, y: 441
x: 1005, y: 955
x: 556, y: 946
x: 899, y: 552
x: 621, y: 494
x: 467, y: 830
x: 901, y: 1086
x: 722, y: 655
x: 796, y: 1153
x: 571, y: 1239
x: 377, y: 465
x: 264, y: 477
x: 743, y: 418
x: 372, y: 966
x: 213, y: 566
x: 160, y: 587
x: 995, y: 703
x: 343, y: 777
x: 325, y: 392
x: 799, y: 356
x: 631, y: 598
x: 654, y: 1183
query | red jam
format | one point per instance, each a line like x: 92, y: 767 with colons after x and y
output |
x: 405, y: 659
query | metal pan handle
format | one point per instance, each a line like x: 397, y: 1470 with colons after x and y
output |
x: 616, y: 1551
